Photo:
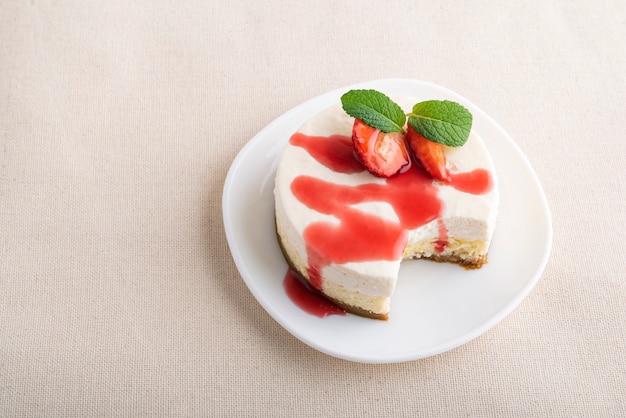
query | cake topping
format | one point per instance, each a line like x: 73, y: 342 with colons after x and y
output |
x: 380, y: 140
x: 383, y: 154
x: 429, y: 154
x: 442, y: 121
x: 375, y: 109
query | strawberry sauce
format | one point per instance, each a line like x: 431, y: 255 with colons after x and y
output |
x: 442, y: 240
x: 335, y: 152
x: 477, y: 181
x: 307, y: 299
x: 358, y: 236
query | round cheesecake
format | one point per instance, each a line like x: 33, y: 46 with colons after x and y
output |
x: 346, y: 231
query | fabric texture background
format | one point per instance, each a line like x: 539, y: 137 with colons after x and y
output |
x: 119, y: 121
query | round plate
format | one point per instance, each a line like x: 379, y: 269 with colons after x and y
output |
x: 436, y: 307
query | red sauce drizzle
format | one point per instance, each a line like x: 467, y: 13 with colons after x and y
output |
x: 308, y: 300
x: 442, y: 241
x: 359, y: 236
x: 335, y: 152
x: 477, y: 181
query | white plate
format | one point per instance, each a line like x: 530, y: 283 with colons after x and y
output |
x: 436, y: 307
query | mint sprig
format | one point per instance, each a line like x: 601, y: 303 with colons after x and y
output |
x: 445, y: 122
x: 441, y: 121
x: 375, y: 109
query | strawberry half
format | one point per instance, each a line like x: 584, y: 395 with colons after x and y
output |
x: 429, y: 154
x: 383, y: 154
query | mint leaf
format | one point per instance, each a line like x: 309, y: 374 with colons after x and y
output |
x: 375, y: 109
x: 445, y: 122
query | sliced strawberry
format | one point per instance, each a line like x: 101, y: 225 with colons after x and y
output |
x: 382, y: 154
x: 429, y: 154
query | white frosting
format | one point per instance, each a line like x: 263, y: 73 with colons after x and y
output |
x: 466, y: 216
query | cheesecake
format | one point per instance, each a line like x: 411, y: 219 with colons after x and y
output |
x: 345, y: 231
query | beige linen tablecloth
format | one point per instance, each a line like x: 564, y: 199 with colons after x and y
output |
x: 119, y: 121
